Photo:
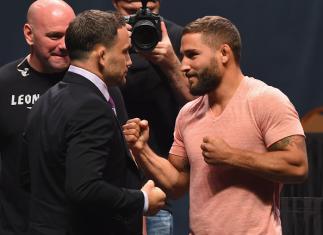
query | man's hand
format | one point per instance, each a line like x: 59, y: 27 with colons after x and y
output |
x: 163, y: 54
x: 156, y: 197
x: 166, y: 59
x: 136, y: 133
x: 215, y: 151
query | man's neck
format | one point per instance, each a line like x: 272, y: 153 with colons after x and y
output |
x: 220, y: 97
x: 88, y: 67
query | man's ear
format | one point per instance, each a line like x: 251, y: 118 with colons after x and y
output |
x: 226, y: 53
x: 28, y: 33
x: 102, y: 54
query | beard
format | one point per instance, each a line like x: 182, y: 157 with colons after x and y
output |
x: 208, y: 79
x: 114, y: 74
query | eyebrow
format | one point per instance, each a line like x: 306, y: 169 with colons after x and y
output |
x: 140, y: 0
x: 54, y: 33
x: 190, y: 51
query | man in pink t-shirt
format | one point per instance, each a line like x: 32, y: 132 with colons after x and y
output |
x: 234, y: 146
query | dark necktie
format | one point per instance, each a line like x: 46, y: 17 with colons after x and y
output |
x: 125, y: 142
x: 113, y: 105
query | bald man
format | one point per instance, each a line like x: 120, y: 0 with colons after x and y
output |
x: 21, y: 84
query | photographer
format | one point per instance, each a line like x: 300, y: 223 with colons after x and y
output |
x: 155, y: 90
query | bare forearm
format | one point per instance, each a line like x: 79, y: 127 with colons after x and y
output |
x: 277, y: 166
x: 171, y: 174
x: 285, y: 161
x: 160, y: 170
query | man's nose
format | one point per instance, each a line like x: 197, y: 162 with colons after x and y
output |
x: 184, y: 65
x: 61, y: 44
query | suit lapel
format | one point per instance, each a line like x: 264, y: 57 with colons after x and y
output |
x: 78, y: 79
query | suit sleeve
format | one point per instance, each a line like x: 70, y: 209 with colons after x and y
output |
x: 90, y: 137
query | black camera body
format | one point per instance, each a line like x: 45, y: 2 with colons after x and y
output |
x: 146, y: 30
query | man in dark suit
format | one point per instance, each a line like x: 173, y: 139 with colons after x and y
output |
x: 83, y: 178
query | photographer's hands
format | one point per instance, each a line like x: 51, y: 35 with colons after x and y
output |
x: 163, y: 54
x: 166, y: 59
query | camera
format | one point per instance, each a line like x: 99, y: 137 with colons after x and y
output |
x: 146, y: 31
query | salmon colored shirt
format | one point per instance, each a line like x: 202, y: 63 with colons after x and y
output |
x: 225, y: 200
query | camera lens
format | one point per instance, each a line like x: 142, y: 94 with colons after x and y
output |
x: 145, y: 35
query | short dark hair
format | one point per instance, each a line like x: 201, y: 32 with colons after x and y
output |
x: 215, y: 31
x: 89, y: 28
x: 139, y: 0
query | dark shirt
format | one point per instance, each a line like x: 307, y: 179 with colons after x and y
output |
x: 20, y: 88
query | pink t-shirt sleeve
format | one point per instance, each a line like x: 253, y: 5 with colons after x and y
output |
x: 276, y: 116
x: 178, y: 147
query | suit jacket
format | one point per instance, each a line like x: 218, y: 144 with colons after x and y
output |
x: 83, y: 179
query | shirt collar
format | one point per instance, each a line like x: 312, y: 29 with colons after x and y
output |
x: 93, y: 78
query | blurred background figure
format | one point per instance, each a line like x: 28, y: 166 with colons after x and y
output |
x: 21, y: 84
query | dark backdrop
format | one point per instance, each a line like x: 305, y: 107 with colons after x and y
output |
x: 282, y: 43
x: 282, y: 40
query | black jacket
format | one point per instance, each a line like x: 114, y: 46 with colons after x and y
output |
x: 83, y: 179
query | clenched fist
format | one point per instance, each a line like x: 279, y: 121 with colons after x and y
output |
x: 156, y: 197
x: 216, y: 151
x: 136, y: 133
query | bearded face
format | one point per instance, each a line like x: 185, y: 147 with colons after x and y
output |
x: 204, y: 80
